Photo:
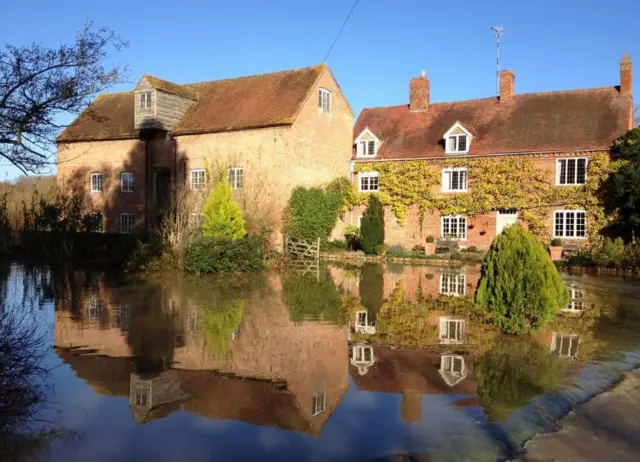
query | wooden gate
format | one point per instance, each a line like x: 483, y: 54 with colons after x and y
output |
x: 300, y: 249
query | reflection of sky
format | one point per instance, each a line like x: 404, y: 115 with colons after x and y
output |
x: 365, y: 426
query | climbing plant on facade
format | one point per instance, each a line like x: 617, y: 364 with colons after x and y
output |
x: 494, y: 183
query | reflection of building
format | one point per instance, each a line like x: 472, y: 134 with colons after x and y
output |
x: 364, y: 323
x: 565, y: 345
x: 362, y: 358
x: 576, y: 299
x: 274, y: 371
x: 452, y: 330
x: 425, y: 281
x: 414, y: 373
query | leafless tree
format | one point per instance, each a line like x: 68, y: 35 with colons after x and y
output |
x: 39, y: 83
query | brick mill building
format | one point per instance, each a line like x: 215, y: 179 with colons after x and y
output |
x: 130, y: 153
x: 560, y: 131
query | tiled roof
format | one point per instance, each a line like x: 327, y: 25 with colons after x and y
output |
x: 109, y: 117
x: 223, y: 105
x: 533, y: 122
x: 170, y: 87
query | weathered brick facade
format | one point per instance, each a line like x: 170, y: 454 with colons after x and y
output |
x: 310, y: 147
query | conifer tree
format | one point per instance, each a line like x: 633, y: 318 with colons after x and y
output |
x: 372, y: 225
x: 222, y: 216
x: 520, y: 285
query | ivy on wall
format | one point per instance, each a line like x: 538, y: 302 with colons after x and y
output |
x: 494, y: 183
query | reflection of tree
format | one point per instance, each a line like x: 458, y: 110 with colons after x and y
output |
x: 513, y: 372
x: 219, y: 324
x: 371, y: 289
x: 23, y: 387
x: 311, y: 298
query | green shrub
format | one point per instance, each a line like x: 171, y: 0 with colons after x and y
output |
x: 418, y: 248
x: 353, y: 238
x: 222, y: 216
x: 456, y: 255
x: 208, y: 255
x: 430, y: 240
x: 372, y: 225
x: 472, y: 249
x: 382, y: 249
x: 556, y: 242
x: 334, y: 245
x: 343, y: 188
x: 312, y: 213
x: 371, y: 286
x: 520, y: 286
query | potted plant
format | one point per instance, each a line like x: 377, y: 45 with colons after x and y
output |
x: 555, y: 249
x: 430, y: 246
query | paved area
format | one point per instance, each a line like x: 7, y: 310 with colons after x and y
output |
x: 607, y: 428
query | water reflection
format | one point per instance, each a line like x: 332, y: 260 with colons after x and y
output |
x: 360, y: 361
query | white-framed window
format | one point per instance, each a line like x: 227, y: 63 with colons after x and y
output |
x: 454, y: 227
x: 126, y: 223
x: 236, y: 177
x: 364, y: 325
x: 453, y: 283
x: 93, y: 309
x: 96, y: 182
x: 576, y: 300
x: 451, y: 330
x: 126, y: 181
x: 457, y: 144
x: 324, y: 100
x: 197, y: 178
x: 570, y: 224
x: 96, y: 222
x: 362, y: 353
x: 565, y: 346
x: 571, y: 172
x: 366, y: 148
x: 452, y: 369
x: 369, y: 182
x: 454, y: 180
x: 453, y: 364
x: 145, y: 101
x: 319, y: 403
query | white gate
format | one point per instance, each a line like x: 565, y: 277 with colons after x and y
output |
x: 505, y: 217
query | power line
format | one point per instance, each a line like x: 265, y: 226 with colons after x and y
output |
x: 340, y: 31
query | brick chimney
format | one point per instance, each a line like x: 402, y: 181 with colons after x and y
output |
x: 626, y: 76
x: 507, y: 85
x: 419, y: 93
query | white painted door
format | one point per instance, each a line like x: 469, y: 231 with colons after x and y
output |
x: 505, y: 217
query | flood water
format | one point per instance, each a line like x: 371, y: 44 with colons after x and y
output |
x: 329, y: 362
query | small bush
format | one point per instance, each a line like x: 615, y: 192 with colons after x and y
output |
x: 353, y: 238
x: 397, y: 251
x: 334, y: 245
x: 456, y: 255
x: 372, y: 226
x: 430, y: 240
x: 520, y: 286
x: 556, y: 242
x: 208, y: 255
x: 418, y: 248
x: 382, y: 250
x: 472, y: 249
x: 222, y: 216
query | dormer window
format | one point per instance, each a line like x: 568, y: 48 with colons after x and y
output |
x: 366, y: 148
x: 457, y: 139
x: 145, y: 101
x: 367, y: 144
x: 457, y: 143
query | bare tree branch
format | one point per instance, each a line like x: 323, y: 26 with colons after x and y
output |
x: 38, y: 84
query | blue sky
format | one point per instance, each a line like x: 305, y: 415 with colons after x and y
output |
x: 549, y: 44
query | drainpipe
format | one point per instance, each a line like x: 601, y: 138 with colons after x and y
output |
x: 146, y: 185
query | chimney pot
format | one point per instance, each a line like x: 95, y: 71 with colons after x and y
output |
x: 626, y: 76
x: 419, y: 92
x: 507, y: 86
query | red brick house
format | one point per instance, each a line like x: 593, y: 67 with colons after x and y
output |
x: 560, y: 132
x: 129, y: 152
